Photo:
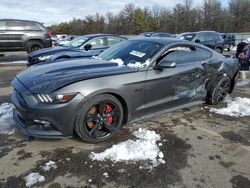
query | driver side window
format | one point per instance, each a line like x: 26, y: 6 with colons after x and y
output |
x: 179, y: 55
x: 99, y: 42
x: 199, y: 37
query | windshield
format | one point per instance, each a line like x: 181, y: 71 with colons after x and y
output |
x: 77, y: 42
x: 131, y: 52
x: 188, y: 36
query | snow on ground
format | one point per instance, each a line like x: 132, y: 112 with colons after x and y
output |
x: 6, y: 118
x: 144, y: 148
x: 14, y: 62
x: 237, y: 107
x: 243, y: 82
x: 49, y: 165
x: 33, y: 178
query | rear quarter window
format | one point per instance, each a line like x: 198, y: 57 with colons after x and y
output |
x: 187, y: 54
x: 32, y: 26
x: 114, y: 40
x: 15, y: 25
x: 2, y: 25
x: 202, y: 54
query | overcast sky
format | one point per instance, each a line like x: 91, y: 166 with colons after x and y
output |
x: 56, y: 11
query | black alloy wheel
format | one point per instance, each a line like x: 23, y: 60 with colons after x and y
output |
x: 222, y: 91
x: 99, y: 118
x: 219, y: 90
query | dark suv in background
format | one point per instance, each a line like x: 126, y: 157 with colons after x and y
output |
x: 23, y: 35
x: 229, y: 40
x: 210, y: 39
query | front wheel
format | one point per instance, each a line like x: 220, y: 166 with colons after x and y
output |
x: 99, y: 118
x: 219, y: 90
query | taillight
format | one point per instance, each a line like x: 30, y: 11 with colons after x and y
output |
x: 49, y: 33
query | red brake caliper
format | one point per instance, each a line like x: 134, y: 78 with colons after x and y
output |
x: 107, y: 110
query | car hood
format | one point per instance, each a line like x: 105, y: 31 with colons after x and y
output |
x: 51, y: 51
x: 50, y: 77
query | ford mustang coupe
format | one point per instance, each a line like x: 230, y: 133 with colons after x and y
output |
x: 135, y: 78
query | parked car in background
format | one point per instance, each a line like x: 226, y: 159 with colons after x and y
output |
x: 63, y: 41
x: 23, y: 35
x: 94, y: 97
x: 229, y: 40
x: 210, y: 39
x: 82, y: 46
x: 54, y: 38
x: 156, y: 34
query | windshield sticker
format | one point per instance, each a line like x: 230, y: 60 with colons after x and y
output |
x: 137, y: 54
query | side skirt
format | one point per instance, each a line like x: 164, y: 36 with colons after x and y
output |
x: 155, y: 114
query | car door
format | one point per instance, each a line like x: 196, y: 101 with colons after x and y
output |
x: 174, y: 86
x: 3, y: 35
x: 16, y: 32
x: 210, y: 40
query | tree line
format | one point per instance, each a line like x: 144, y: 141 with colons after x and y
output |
x: 183, y: 17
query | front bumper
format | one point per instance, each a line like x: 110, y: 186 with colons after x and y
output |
x: 48, y: 43
x: 58, y: 118
x: 35, y: 130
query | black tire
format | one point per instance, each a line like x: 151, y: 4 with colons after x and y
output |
x: 34, y: 46
x: 219, y: 90
x: 219, y: 50
x: 93, y: 125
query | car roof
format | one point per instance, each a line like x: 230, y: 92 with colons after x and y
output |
x: 102, y: 35
x: 20, y: 20
x: 163, y: 41
x: 186, y: 33
x: 167, y: 41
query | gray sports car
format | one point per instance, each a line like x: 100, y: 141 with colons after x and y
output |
x: 135, y: 78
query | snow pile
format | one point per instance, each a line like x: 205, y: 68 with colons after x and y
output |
x: 49, y: 165
x: 6, y: 118
x: 33, y: 178
x: 142, y: 149
x: 118, y: 61
x: 237, y: 107
x: 135, y: 65
x: 14, y: 62
x: 243, y: 83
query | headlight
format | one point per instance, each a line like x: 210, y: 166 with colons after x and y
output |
x: 54, y: 98
x: 44, y: 58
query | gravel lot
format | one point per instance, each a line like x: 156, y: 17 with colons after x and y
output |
x: 201, y: 149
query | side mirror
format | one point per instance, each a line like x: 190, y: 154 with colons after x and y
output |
x: 87, y: 47
x: 197, y: 41
x: 165, y: 64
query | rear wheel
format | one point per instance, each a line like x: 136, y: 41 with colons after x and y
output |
x: 34, y: 46
x: 219, y: 90
x: 99, y: 118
